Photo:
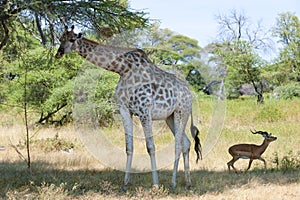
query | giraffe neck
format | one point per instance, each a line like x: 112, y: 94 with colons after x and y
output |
x: 109, y: 58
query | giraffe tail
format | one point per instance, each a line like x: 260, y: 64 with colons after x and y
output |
x: 195, y: 133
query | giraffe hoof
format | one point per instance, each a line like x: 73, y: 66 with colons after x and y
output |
x: 173, y: 186
x: 124, y: 188
x: 188, y: 186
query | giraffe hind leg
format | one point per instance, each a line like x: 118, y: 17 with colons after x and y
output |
x: 146, y: 123
x: 182, y: 145
x: 185, y: 153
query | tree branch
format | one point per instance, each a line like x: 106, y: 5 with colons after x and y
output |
x: 30, y: 31
x: 51, y: 113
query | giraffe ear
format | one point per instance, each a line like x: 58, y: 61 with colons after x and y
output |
x: 79, y: 36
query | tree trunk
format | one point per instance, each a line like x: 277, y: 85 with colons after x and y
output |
x: 6, y: 32
x: 259, y: 91
x: 39, y: 27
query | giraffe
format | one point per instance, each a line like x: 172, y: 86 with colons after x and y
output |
x: 146, y: 91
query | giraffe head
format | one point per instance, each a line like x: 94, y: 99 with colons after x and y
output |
x: 66, y: 41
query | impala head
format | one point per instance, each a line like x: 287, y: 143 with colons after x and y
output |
x: 66, y: 41
x: 266, y: 135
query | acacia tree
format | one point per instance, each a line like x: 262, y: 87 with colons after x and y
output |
x: 165, y: 48
x: 43, y: 19
x: 236, y: 50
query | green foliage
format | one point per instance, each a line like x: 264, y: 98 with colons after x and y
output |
x: 164, y: 47
x: 94, y: 96
x: 43, y: 18
x: 242, y: 64
x: 288, y: 91
x: 186, y: 47
x: 48, y: 84
x: 196, y: 80
x: 287, y: 29
x: 53, y: 87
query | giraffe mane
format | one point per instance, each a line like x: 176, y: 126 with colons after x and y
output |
x: 91, y: 41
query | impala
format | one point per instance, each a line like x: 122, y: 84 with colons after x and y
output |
x: 250, y: 151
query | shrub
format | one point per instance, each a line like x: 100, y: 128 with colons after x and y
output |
x: 289, y: 162
x: 288, y: 91
x: 50, y: 144
x: 94, y: 96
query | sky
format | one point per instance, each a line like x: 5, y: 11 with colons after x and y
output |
x: 196, y: 18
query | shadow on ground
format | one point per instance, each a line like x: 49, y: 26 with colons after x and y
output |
x: 16, y: 177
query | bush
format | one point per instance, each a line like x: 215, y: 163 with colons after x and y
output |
x: 288, y: 91
x: 94, y: 96
x: 287, y: 163
x: 50, y: 144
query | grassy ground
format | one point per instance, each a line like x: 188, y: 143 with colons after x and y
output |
x: 56, y: 174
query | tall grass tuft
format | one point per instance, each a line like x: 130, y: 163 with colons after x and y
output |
x: 289, y: 162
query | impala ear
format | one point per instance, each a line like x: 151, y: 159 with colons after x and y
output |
x: 72, y: 27
x: 265, y: 135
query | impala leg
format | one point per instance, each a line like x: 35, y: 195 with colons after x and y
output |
x: 231, y: 162
x: 265, y: 164
x: 250, y: 162
x: 128, y: 128
x: 228, y: 165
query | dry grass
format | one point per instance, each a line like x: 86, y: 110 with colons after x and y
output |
x: 56, y: 174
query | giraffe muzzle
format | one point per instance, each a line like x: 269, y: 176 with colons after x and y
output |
x: 60, y: 53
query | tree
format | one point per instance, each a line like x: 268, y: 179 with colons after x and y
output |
x: 287, y: 29
x: 43, y: 19
x: 237, y: 50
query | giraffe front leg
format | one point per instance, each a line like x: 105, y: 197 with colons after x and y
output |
x: 128, y: 129
x: 129, y: 152
x: 177, y: 156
